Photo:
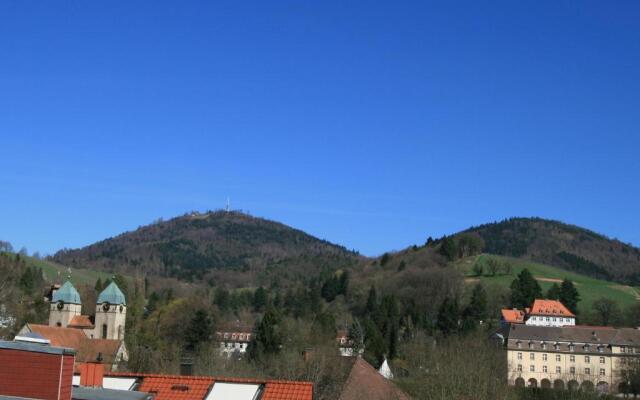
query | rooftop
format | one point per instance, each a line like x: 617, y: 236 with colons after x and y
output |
x: 35, y: 348
x: 577, y: 334
x: 67, y: 294
x: 112, y: 295
x: 552, y: 308
x: 87, y: 393
x: 177, y: 387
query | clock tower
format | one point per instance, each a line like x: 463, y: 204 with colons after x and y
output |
x: 111, y: 313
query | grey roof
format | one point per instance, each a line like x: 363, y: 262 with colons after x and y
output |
x: 35, y: 348
x: 112, y: 295
x: 67, y: 293
x: 89, y: 393
x: 577, y: 334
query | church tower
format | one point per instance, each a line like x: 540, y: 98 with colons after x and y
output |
x: 65, y: 304
x: 111, y: 313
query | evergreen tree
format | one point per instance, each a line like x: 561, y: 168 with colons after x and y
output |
x: 448, y: 316
x: 222, y: 299
x: 554, y: 292
x: 343, y: 288
x: 477, y: 307
x: 524, y: 290
x: 260, y: 299
x: 330, y: 289
x: 449, y: 248
x: 374, y: 343
x: 569, y: 296
x: 199, y: 330
x: 372, y: 302
x: 98, y: 287
x: 268, y: 338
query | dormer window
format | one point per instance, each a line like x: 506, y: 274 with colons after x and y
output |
x: 544, y: 346
x: 600, y: 349
x: 572, y: 347
x: 531, y: 345
x: 556, y: 346
x: 519, y: 344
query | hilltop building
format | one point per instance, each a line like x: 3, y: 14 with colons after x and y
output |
x: 97, y: 339
x: 541, y: 313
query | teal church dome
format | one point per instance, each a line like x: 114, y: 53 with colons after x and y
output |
x: 112, y: 295
x: 67, y: 294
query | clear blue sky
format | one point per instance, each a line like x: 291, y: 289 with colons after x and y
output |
x: 371, y: 125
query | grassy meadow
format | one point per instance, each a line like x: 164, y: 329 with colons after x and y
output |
x: 590, y: 289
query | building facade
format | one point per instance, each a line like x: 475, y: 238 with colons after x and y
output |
x: 541, y: 313
x: 570, y: 357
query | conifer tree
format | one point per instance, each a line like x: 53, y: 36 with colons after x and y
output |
x: 524, y: 290
x: 199, y: 329
x: 268, y: 338
x: 448, y: 316
x: 260, y: 299
x: 554, y: 292
x: 569, y: 296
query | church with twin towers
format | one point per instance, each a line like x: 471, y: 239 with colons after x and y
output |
x: 111, y: 312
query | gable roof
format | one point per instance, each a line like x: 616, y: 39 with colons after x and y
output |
x: 81, y: 321
x: 513, y: 316
x: 365, y: 382
x: 180, y: 387
x: 552, y: 308
x: 87, y: 349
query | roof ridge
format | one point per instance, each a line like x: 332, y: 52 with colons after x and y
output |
x: 204, y: 377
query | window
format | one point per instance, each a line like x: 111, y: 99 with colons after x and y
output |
x: 553, y: 319
x: 532, y: 368
x: 587, y: 359
x: 556, y: 346
x: 531, y: 345
x: 104, y: 331
x: 587, y: 371
x: 572, y: 358
x: 519, y: 344
x: 558, y: 370
x: 602, y: 372
x: 544, y: 346
x: 622, y: 349
x: 544, y: 357
x: 546, y: 319
x: 519, y: 356
x: 572, y: 347
x: 532, y: 356
x: 601, y: 360
x: 600, y: 349
x: 519, y: 367
x: 586, y: 347
x: 572, y: 370
x: 544, y: 368
x: 558, y: 357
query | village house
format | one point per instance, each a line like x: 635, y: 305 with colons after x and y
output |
x: 234, y: 340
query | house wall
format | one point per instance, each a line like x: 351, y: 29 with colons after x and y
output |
x: 538, y: 320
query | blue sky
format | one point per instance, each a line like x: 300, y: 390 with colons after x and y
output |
x: 370, y: 125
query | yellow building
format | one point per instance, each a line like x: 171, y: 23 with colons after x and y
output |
x: 570, y: 357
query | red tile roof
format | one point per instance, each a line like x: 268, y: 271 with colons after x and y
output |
x: 552, y: 308
x: 288, y: 391
x: 178, y: 387
x: 513, y: 316
x: 87, y: 349
x: 81, y: 321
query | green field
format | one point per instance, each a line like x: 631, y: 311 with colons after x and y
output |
x: 78, y: 276
x: 590, y: 289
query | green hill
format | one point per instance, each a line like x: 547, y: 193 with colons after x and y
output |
x: 228, y: 247
x: 54, y: 271
x: 589, y: 288
x: 567, y: 246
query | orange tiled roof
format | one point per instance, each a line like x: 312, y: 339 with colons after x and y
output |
x: 550, y: 307
x: 81, y: 321
x: 288, y: 391
x: 59, y: 337
x: 87, y: 349
x: 178, y: 387
x: 513, y: 316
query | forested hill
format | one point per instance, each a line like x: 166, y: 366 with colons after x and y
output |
x: 230, y: 246
x: 567, y: 246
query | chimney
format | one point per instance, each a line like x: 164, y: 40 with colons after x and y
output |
x: 91, y: 374
x: 186, y: 365
x: 36, y: 370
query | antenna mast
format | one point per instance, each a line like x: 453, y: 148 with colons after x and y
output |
x: 228, y: 204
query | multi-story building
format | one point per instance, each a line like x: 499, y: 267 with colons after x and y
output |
x: 541, y: 313
x: 234, y: 340
x: 570, y: 357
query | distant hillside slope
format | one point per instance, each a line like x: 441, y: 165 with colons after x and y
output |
x: 229, y: 246
x: 567, y: 246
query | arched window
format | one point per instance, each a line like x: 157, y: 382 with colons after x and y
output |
x: 104, y: 331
